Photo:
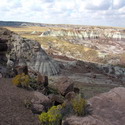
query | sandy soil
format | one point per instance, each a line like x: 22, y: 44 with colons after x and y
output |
x: 12, y: 109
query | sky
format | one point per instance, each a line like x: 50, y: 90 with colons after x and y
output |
x: 82, y: 12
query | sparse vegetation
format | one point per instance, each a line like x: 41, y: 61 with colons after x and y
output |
x: 21, y: 80
x: 55, y: 114
x: 52, y: 117
x: 79, y: 105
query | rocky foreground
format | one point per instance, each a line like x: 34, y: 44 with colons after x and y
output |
x: 108, y: 108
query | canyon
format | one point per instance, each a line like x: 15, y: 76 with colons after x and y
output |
x: 91, y: 57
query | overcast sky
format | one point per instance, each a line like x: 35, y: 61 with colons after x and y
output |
x: 84, y: 12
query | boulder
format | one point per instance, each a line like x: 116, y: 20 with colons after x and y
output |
x: 108, y: 109
x: 64, y: 86
x: 56, y: 99
x: 37, y: 108
x: 40, y: 98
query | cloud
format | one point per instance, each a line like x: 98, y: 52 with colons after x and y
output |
x: 118, y: 4
x: 86, y: 12
x: 98, y: 5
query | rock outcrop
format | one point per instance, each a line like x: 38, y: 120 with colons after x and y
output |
x: 108, y: 109
x: 21, y: 51
x: 87, y: 33
x: 112, y: 70
x: 40, y: 103
x: 108, y: 69
x: 106, y: 41
x: 64, y: 85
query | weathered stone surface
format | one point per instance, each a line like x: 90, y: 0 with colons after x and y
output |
x: 64, y: 85
x: 108, y: 109
x: 114, y: 71
x: 29, y: 51
x: 41, y: 99
x: 86, y: 33
x: 56, y: 99
x: 90, y: 120
x: 37, y: 108
x: 104, y: 40
x: 108, y: 69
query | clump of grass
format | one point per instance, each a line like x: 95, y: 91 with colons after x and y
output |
x: 79, y: 105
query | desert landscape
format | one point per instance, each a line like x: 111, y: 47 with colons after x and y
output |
x: 74, y: 71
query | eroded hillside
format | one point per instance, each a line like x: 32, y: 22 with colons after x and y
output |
x: 93, y: 44
x: 75, y: 77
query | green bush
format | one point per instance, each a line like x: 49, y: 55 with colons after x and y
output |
x: 79, y: 105
x: 52, y: 117
x: 21, y: 80
x: 44, y: 118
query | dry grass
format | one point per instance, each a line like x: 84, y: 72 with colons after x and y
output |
x: 31, y: 29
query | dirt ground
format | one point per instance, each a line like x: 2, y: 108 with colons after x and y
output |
x: 12, y: 109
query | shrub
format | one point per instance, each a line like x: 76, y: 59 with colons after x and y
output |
x: 44, y: 118
x: 21, y: 80
x: 52, y: 117
x: 79, y: 105
x: 16, y: 80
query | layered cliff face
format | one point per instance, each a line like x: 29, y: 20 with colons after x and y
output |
x: 19, y: 51
x: 106, y: 44
x: 106, y: 40
x: 88, y: 33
